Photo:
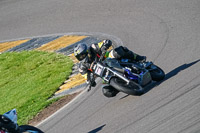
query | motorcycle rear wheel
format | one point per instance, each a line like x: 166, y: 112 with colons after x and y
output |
x: 132, y: 88
x: 157, y: 74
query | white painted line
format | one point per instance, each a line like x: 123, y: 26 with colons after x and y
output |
x: 65, y: 106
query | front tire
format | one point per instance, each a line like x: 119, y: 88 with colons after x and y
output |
x: 29, y: 129
x: 132, y: 88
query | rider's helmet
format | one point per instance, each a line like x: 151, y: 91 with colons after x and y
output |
x: 80, y: 51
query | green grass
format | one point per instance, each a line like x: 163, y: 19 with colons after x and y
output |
x: 28, y: 79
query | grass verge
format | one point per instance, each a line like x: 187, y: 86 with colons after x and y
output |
x: 28, y: 79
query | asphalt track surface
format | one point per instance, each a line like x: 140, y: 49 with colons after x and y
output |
x: 166, y: 31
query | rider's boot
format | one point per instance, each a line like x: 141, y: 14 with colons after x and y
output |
x: 141, y: 58
x: 134, y: 56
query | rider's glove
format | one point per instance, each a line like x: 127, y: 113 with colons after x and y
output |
x: 91, y: 83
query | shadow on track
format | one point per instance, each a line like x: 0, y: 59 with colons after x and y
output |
x: 171, y: 74
x: 97, y: 129
x: 167, y: 76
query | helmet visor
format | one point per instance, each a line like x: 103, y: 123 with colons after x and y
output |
x: 81, y: 56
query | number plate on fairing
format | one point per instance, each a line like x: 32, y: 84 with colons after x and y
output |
x: 98, y: 70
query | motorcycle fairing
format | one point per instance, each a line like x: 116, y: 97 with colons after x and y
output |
x: 12, y: 115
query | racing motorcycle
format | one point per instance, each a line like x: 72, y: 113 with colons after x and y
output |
x: 8, y: 124
x: 125, y: 75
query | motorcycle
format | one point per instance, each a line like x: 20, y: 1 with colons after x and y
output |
x: 125, y: 75
x: 8, y: 124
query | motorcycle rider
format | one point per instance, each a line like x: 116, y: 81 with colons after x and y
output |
x: 86, y: 55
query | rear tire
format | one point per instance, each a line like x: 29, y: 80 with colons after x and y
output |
x: 26, y: 128
x: 132, y: 88
x: 157, y: 74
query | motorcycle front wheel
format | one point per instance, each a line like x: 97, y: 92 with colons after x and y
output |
x: 29, y: 129
x: 132, y: 88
